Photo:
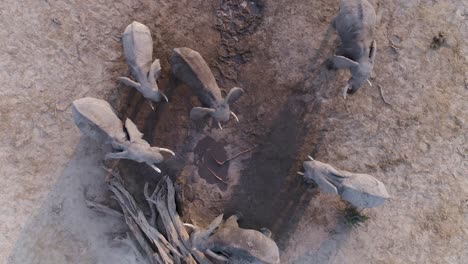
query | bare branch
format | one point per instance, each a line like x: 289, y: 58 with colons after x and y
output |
x: 129, y: 205
x: 217, y: 177
x: 176, y: 249
x: 171, y: 232
x: 393, y: 45
x: 233, y: 157
x: 152, y: 220
x: 130, y: 243
x: 141, y: 239
x: 103, y: 209
x: 382, y: 96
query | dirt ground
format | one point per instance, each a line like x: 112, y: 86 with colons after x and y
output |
x: 53, y: 52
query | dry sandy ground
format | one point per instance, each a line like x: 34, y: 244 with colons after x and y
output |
x: 53, y: 52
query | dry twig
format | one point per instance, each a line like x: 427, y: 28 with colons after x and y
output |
x: 171, y: 231
x: 56, y: 21
x: 393, y: 45
x: 139, y: 236
x: 217, y: 177
x: 183, y: 235
x: 382, y: 95
x: 103, y: 209
x: 233, y: 157
x: 152, y: 220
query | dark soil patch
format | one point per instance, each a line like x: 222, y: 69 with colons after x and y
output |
x: 269, y: 192
x: 206, y: 150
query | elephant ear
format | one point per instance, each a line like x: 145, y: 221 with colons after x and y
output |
x: 325, y: 185
x: 155, y: 72
x: 233, y: 95
x: 373, y: 51
x: 133, y: 132
x: 200, y: 112
x: 341, y: 62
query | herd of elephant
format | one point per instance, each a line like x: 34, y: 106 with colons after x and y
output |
x: 222, y: 240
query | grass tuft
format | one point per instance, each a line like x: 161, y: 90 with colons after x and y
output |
x: 354, y: 217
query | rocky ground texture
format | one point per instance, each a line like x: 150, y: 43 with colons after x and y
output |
x: 54, y: 52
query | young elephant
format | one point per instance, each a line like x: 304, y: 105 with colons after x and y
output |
x: 189, y: 66
x: 96, y: 119
x: 138, y: 49
x: 361, y: 190
x: 228, y: 242
x: 355, y: 25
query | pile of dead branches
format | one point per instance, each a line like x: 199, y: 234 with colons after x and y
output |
x: 162, y: 237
